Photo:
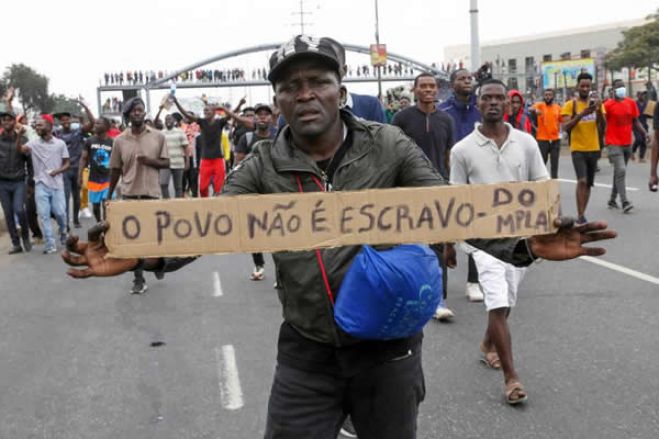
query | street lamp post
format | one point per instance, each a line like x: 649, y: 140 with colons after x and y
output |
x: 377, y: 42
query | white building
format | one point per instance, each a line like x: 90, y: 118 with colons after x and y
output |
x: 518, y: 61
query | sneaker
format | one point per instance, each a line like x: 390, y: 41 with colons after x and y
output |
x: 473, y: 292
x: 443, y: 314
x: 582, y: 220
x: 348, y: 430
x: 15, y: 249
x: 77, y: 225
x: 62, y: 238
x: 139, y: 287
x: 38, y: 240
x: 85, y: 213
x: 49, y: 250
x: 627, y: 207
x: 276, y: 286
x: 27, y: 245
x: 160, y: 275
x: 613, y: 204
x: 642, y: 161
x: 258, y: 273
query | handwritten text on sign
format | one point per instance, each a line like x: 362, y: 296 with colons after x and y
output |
x: 293, y: 221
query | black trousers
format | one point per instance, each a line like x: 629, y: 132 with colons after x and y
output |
x: 383, y: 401
x: 72, y: 190
x: 191, y: 181
x: 551, y: 150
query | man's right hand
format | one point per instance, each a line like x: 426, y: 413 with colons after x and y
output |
x: 92, y: 255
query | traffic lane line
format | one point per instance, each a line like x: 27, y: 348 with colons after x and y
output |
x: 231, y: 393
x: 217, y: 285
x: 621, y: 269
x: 608, y: 186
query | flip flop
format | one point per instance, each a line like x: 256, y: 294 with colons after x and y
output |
x: 490, y: 359
x: 515, y: 388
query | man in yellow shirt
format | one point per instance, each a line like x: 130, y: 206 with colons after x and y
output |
x: 583, y: 119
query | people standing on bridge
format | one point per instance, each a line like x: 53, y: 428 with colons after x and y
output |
x: 75, y: 140
x: 212, y: 155
x: 138, y: 155
x: 548, y: 135
x: 622, y: 117
x: 50, y: 160
x: 432, y: 130
x: 244, y: 146
x: 322, y: 375
x: 462, y: 108
x: 13, y: 165
x: 495, y: 152
x: 583, y: 120
x: 96, y: 158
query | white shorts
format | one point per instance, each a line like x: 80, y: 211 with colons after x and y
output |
x: 499, y: 280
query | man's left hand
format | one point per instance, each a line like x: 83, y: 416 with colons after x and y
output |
x: 568, y: 242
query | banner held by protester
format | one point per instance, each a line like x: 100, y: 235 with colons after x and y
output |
x: 289, y: 222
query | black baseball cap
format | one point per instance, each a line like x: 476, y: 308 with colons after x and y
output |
x: 259, y: 107
x: 324, y: 48
x: 4, y: 113
x: 62, y: 114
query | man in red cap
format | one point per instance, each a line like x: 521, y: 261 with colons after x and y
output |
x: 50, y: 159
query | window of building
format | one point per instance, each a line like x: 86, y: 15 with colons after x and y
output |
x: 529, y: 64
x: 512, y: 65
x: 566, y: 55
x: 546, y: 58
x: 585, y: 53
x: 512, y: 83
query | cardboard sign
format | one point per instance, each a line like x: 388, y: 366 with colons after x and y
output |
x: 293, y: 221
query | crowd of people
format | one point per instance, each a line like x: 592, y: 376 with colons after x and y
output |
x: 138, y: 77
x: 483, y: 133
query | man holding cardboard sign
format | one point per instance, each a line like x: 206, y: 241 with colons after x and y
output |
x: 323, y: 374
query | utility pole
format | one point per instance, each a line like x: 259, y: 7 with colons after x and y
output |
x: 301, y: 13
x: 475, y: 43
x: 377, y: 42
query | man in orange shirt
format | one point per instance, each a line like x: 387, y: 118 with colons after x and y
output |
x: 548, y: 134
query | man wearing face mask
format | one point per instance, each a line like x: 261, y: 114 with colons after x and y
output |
x: 75, y: 142
x: 548, y: 135
x: 621, y: 116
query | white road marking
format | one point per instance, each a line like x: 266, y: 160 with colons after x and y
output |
x: 621, y: 269
x: 231, y: 394
x: 217, y: 285
x: 608, y: 186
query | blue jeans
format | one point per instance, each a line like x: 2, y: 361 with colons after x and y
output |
x: 12, y: 195
x: 50, y: 200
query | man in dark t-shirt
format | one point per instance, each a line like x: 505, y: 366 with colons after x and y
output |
x: 245, y: 144
x: 96, y: 153
x: 654, y: 158
x: 432, y: 130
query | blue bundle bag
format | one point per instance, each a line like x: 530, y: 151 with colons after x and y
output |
x: 389, y: 294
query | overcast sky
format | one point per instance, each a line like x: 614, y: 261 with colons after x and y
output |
x: 74, y: 41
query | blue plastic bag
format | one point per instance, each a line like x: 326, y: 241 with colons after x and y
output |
x: 389, y: 294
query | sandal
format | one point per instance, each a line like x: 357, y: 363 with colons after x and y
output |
x: 515, y: 393
x: 490, y: 359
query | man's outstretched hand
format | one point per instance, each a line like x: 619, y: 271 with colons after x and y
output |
x: 568, y: 242
x: 92, y: 255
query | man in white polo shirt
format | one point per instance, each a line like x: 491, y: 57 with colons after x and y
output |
x: 496, y: 152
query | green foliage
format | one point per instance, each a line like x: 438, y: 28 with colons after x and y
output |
x: 640, y: 46
x: 32, y: 87
x: 62, y: 104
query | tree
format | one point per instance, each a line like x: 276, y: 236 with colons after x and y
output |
x: 639, y: 47
x: 32, y: 87
x: 61, y: 104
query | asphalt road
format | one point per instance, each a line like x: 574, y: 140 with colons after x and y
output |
x: 78, y: 360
